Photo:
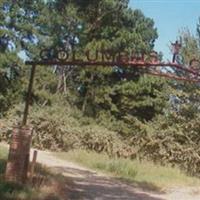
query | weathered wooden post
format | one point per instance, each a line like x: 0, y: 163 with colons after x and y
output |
x: 18, y: 159
x: 33, y: 163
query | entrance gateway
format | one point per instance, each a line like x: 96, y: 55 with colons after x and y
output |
x: 18, y: 160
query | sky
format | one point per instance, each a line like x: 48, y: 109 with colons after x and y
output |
x: 170, y: 17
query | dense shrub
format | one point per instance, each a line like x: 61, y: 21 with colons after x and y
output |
x: 61, y: 127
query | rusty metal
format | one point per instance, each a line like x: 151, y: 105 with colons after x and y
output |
x: 18, y: 159
x: 169, y: 76
x: 139, y: 64
x: 108, y: 57
x: 194, y: 75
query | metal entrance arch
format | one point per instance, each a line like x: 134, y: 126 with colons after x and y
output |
x: 149, y: 68
x: 21, y: 139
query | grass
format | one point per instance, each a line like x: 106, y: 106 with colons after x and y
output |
x: 48, y: 189
x: 141, y: 173
x: 3, y: 152
x: 3, y: 157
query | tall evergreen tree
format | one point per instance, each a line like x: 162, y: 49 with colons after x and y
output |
x: 89, y: 25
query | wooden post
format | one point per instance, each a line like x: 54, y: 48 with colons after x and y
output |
x: 33, y: 163
x: 19, y: 153
x: 28, y: 98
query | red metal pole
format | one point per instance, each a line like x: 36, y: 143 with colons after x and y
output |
x: 138, y: 64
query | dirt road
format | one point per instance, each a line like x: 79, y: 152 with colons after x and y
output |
x: 90, y: 185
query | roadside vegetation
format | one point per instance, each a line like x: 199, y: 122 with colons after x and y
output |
x: 141, y: 173
x: 117, y: 112
x: 44, y: 186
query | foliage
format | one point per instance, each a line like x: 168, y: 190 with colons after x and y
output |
x: 174, y: 137
x: 142, y: 173
x: 190, y: 46
x: 35, y: 190
x: 116, y: 110
x: 177, y: 145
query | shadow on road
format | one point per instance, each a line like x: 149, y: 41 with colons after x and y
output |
x: 90, y: 186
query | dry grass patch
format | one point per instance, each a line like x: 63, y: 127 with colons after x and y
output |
x: 45, y: 185
x: 133, y: 170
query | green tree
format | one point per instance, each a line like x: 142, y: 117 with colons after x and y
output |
x: 87, y: 25
x: 120, y: 91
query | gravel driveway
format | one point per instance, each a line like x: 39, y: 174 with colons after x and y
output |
x: 91, y: 185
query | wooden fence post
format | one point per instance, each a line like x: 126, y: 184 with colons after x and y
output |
x: 33, y: 163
